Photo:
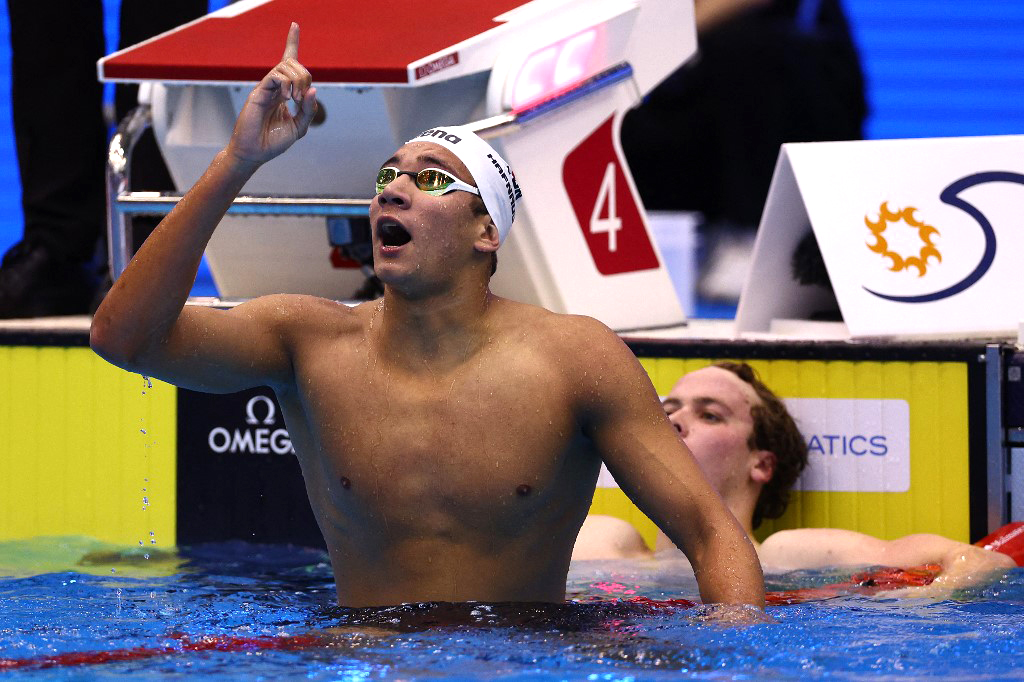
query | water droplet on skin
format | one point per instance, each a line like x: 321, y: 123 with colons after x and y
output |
x: 523, y: 490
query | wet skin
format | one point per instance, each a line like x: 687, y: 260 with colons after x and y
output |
x: 468, y: 481
x: 442, y: 469
x: 468, y: 473
x: 710, y: 408
x: 449, y: 439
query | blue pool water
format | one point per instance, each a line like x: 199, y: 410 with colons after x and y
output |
x: 64, y: 596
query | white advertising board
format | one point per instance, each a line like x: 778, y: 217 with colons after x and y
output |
x: 854, y: 445
x: 919, y: 237
x: 858, y: 445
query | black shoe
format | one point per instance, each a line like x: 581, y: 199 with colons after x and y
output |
x: 33, y: 283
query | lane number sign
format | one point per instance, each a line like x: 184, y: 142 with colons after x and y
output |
x: 606, y: 208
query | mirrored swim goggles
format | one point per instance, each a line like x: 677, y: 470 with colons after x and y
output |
x: 432, y: 181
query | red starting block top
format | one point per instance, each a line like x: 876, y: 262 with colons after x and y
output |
x: 342, y: 41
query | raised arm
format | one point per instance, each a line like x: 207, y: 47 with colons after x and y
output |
x: 962, y: 565
x: 624, y: 418
x: 143, y: 324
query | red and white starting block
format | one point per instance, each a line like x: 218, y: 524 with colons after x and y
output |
x: 547, y: 82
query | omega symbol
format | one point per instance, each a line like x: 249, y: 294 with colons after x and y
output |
x: 250, y: 410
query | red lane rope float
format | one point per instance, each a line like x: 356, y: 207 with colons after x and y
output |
x: 1009, y: 540
x: 212, y: 643
x: 865, y: 582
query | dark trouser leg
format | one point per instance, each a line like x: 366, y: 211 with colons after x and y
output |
x: 140, y: 20
x: 58, y: 122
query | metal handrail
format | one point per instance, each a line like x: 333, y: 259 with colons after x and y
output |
x: 119, y: 155
x: 159, y: 203
x: 122, y: 202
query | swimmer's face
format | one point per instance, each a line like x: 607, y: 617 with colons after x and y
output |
x: 416, y: 235
x: 710, y: 409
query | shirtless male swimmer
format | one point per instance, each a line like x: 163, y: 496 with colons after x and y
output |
x: 752, y: 452
x: 450, y: 440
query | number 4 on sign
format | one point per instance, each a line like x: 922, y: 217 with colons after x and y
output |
x: 606, y: 195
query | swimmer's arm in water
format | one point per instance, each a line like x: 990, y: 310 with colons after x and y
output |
x: 625, y: 420
x: 962, y: 565
x: 143, y: 324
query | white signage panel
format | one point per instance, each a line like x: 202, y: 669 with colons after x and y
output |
x: 920, y: 237
x: 854, y: 445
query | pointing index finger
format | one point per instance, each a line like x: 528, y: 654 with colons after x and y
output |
x: 291, y: 48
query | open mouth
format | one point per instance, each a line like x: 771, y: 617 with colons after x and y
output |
x: 391, y: 233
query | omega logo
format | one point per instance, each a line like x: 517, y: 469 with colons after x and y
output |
x: 256, y: 441
x: 250, y: 410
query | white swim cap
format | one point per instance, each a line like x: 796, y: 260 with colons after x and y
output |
x: 494, y: 178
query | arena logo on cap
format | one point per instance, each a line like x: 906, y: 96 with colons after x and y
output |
x: 443, y: 134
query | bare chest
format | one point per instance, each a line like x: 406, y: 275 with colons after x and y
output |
x: 481, y: 437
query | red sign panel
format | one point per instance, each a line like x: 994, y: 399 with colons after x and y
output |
x: 606, y: 209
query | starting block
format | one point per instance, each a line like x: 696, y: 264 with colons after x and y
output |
x: 546, y: 82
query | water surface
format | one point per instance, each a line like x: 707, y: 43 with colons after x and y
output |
x: 228, y: 610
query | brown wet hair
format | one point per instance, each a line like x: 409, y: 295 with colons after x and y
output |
x: 774, y: 430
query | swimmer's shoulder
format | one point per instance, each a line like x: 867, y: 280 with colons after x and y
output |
x: 578, y: 331
x: 776, y: 552
x: 303, y: 314
x: 583, y: 349
x: 798, y: 548
x: 608, y: 537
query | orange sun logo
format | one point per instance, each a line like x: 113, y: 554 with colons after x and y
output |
x: 924, y: 231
